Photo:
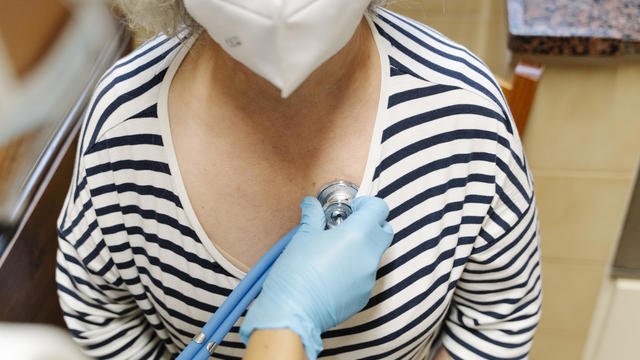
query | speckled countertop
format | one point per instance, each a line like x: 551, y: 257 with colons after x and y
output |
x: 574, y: 27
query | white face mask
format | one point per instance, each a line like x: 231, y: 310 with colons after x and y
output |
x: 283, y: 41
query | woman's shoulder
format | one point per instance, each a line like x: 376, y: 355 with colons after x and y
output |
x: 429, y: 57
x: 121, y: 113
x: 441, y: 83
x: 130, y: 87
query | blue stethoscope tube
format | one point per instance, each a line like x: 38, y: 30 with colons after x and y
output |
x: 228, y: 313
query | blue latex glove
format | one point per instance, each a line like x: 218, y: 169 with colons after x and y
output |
x: 323, y: 277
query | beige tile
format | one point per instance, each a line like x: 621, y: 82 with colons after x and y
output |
x: 495, y: 52
x: 413, y: 9
x: 580, y: 217
x: 439, y: 7
x: 470, y: 33
x: 550, y: 345
x: 585, y: 117
x: 460, y: 7
x: 628, y: 76
x: 570, y: 293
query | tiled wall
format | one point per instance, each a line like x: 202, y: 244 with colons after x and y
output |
x: 582, y: 142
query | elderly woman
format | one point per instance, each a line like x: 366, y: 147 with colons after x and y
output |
x: 198, y: 146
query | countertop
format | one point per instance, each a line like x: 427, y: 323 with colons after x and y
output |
x: 574, y: 27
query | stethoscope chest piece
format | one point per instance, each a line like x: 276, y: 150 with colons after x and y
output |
x: 334, y: 198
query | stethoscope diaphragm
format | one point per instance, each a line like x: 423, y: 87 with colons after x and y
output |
x: 334, y: 198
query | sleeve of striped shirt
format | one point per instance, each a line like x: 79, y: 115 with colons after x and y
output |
x: 101, y: 314
x: 497, y: 301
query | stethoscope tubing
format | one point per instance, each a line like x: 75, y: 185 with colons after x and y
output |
x: 232, y: 308
x: 228, y: 322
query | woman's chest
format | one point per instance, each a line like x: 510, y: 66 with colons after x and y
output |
x: 245, y: 190
x: 247, y: 161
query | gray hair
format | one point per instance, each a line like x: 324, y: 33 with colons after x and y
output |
x: 150, y: 17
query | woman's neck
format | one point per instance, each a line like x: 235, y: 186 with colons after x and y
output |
x: 227, y: 82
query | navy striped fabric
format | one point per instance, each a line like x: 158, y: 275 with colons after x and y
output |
x: 137, y: 279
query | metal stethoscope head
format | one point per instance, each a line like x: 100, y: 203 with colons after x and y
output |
x: 334, y: 198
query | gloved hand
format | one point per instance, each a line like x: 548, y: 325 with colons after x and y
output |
x: 323, y: 277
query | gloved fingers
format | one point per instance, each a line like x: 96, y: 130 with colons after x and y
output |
x: 312, y: 214
x: 371, y: 208
x: 380, y: 240
x: 388, y: 230
x: 386, y: 227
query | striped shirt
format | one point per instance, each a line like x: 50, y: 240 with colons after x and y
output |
x: 138, y: 277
